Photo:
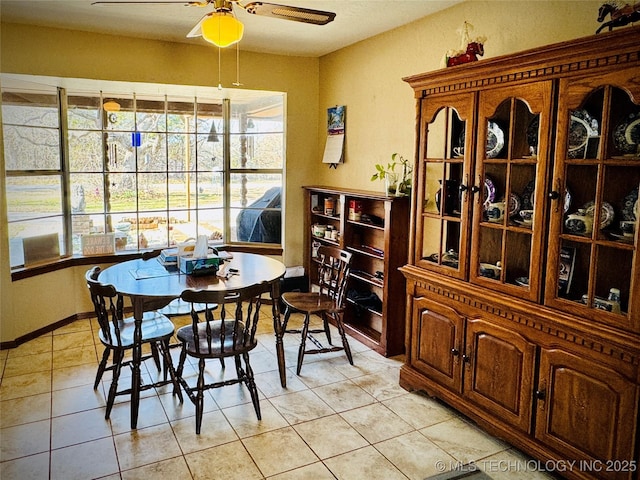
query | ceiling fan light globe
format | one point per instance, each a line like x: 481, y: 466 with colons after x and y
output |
x: 222, y: 29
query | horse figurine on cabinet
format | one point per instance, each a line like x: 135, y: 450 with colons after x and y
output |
x: 474, y: 49
x: 469, y: 51
x: 620, y: 15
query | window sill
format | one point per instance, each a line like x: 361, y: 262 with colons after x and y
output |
x: 75, y: 260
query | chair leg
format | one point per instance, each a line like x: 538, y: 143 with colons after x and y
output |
x: 200, y: 396
x: 113, y: 389
x: 156, y: 356
x: 343, y: 335
x: 251, y: 385
x: 168, y: 365
x: 239, y: 370
x: 325, y: 321
x: 102, y: 367
x: 287, y: 314
x: 303, y: 341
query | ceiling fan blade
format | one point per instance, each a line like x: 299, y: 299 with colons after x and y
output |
x: 187, y: 3
x: 297, y: 14
x: 196, y: 31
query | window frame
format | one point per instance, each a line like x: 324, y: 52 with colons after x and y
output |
x: 69, y: 258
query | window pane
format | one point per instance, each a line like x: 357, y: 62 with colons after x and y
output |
x: 182, y: 225
x: 83, y: 113
x: 211, y: 222
x: 31, y: 148
x: 122, y: 192
x: 261, y: 114
x: 152, y: 191
x: 152, y: 152
x: 210, y: 189
x: 32, y: 228
x: 31, y: 197
x: 182, y: 190
x: 246, y: 188
x: 150, y: 115
x: 122, y: 117
x: 210, y: 153
x: 210, y: 118
x: 121, y: 156
x: 260, y: 219
x: 85, y: 151
x: 33, y: 109
x: 87, y: 194
x: 257, y: 151
x: 180, y: 116
x: 181, y: 151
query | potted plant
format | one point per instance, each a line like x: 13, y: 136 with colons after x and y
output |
x: 396, y: 183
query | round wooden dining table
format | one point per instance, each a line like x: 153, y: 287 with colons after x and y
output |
x: 150, y: 285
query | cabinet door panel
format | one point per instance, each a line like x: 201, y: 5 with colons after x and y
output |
x: 512, y: 161
x: 438, y: 338
x: 597, y: 164
x: 499, y: 372
x: 444, y: 169
x: 587, y: 411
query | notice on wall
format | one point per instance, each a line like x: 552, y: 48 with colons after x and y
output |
x: 334, y: 148
x: 98, y: 244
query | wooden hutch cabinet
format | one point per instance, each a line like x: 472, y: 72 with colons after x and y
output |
x: 373, y: 227
x: 523, y: 280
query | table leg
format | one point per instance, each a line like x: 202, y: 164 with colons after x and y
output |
x: 138, y: 313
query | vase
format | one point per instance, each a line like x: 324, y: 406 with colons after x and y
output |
x: 391, y: 183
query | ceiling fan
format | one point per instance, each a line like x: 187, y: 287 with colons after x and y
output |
x: 220, y: 26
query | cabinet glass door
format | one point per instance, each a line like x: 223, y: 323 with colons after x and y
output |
x: 598, y: 174
x: 444, y: 172
x: 509, y: 206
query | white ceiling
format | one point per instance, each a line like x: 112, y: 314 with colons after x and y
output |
x: 355, y: 21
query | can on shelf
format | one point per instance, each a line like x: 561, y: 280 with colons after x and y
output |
x: 329, y: 206
x: 355, y: 210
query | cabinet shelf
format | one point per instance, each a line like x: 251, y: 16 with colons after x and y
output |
x: 368, y: 309
x: 377, y: 246
x: 370, y: 251
x: 327, y: 217
x: 366, y: 225
x: 367, y: 278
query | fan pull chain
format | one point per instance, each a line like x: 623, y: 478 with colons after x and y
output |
x: 219, y: 69
x: 237, y: 82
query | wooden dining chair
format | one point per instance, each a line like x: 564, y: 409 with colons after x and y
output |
x: 327, y: 302
x: 232, y: 335
x: 117, y: 335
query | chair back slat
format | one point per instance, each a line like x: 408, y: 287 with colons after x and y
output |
x: 333, y: 273
x: 108, y: 305
x: 239, y: 312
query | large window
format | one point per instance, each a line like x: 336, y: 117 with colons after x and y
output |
x: 153, y: 169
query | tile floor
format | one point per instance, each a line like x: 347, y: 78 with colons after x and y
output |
x: 334, y: 421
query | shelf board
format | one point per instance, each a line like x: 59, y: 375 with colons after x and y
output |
x: 367, y: 278
x: 374, y: 253
x: 367, y: 225
x: 370, y: 310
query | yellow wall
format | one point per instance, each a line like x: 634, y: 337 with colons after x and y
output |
x: 366, y: 77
